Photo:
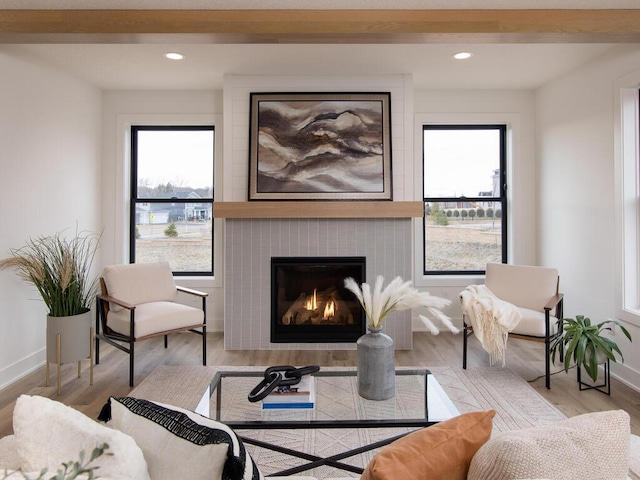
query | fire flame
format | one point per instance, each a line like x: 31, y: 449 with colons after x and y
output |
x: 329, y: 310
x: 312, y: 302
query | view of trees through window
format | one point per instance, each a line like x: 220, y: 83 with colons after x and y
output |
x: 464, y: 195
x: 172, y: 197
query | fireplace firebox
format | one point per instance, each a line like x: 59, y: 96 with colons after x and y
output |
x: 309, y: 303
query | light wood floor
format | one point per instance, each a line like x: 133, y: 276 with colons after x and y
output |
x: 111, y: 375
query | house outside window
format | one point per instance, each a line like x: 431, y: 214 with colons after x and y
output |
x: 171, y: 216
x: 465, y: 202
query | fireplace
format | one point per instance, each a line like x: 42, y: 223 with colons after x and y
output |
x: 309, y: 303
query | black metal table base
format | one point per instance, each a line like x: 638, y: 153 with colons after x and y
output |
x: 315, y: 461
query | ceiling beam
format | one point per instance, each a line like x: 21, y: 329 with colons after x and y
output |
x: 319, y: 26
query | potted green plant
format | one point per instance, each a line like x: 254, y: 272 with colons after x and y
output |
x: 586, y: 344
x: 60, y: 269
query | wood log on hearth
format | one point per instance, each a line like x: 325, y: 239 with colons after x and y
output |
x: 289, y: 317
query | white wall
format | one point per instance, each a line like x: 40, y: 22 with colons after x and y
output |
x: 516, y: 109
x: 575, y: 124
x: 53, y: 135
x: 49, y: 165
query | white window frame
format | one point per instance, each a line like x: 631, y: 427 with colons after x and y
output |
x: 627, y: 186
x: 123, y: 183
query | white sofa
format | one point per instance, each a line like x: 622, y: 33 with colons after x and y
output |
x: 9, y: 461
x: 48, y: 433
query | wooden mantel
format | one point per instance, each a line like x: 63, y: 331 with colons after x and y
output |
x: 318, y: 209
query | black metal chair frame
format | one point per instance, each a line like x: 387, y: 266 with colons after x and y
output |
x: 126, y: 343
x: 556, y: 302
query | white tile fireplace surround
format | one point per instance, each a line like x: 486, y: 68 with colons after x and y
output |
x: 250, y: 244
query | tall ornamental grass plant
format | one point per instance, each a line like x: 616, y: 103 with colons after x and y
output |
x: 60, y: 269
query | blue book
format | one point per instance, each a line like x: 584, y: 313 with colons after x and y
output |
x: 289, y: 405
x: 302, y: 395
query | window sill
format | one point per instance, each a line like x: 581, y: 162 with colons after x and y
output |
x: 448, y: 280
x: 630, y: 316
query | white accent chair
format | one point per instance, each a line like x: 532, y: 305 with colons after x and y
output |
x: 535, y: 291
x: 138, y: 301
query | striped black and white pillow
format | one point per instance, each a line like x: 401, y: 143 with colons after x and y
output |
x: 178, y: 443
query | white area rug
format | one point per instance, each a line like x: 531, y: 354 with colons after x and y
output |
x: 517, y: 405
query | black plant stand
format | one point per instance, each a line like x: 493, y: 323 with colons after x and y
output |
x: 604, y: 387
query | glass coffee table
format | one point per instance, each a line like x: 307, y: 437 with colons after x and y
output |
x: 419, y: 402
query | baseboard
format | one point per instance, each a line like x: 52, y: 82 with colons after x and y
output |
x: 21, y: 368
x: 627, y: 375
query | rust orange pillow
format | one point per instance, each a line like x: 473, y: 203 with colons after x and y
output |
x: 442, y: 451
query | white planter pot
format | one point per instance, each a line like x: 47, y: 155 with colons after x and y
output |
x: 75, y: 337
x: 69, y: 339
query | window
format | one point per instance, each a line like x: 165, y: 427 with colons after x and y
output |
x: 627, y: 152
x: 172, y: 197
x: 464, y: 188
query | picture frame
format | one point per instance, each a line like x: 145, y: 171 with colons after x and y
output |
x: 320, y: 146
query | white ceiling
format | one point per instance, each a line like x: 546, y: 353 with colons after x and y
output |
x: 142, y: 66
x: 135, y: 66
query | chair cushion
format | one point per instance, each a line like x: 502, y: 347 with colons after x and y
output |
x: 156, y: 317
x: 592, y: 446
x: 524, y: 286
x: 48, y: 433
x: 138, y: 283
x: 532, y: 323
x: 178, y: 443
x: 443, y: 450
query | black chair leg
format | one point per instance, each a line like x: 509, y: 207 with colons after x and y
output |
x: 204, y: 346
x: 204, y: 331
x: 166, y: 341
x: 97, y: 333
x: 131, y: 364
x: 547, y: 364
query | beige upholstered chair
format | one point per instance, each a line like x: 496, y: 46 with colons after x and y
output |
x: 534, y: 290
x: 138, y: 301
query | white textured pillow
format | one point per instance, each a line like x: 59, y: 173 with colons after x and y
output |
x: 593, y: 446
x: 178, y: 443
x: 140, y: 283
x: 634, y: 457
x: 49, y: 433
x: 20, y: 475
x: 8, y: 456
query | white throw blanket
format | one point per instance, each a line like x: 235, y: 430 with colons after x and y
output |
x: 491, y: 318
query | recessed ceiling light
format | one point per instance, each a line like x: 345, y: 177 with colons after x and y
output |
x: 462, y: 55
x: 174, y: 56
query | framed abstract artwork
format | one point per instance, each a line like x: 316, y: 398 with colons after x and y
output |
x: 320, y: 146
